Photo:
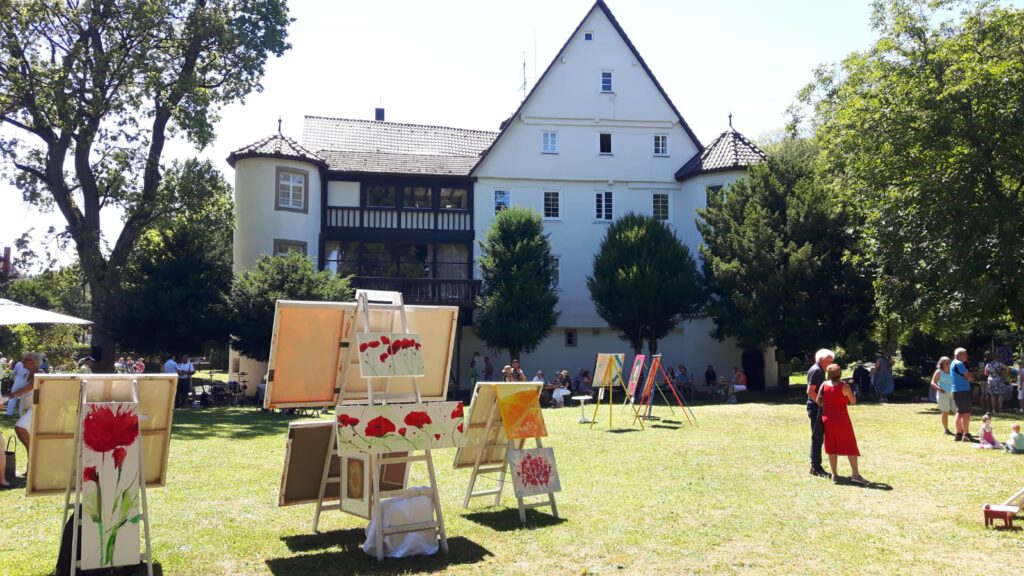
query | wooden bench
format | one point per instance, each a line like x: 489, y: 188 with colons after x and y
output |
x: 1005, y: 511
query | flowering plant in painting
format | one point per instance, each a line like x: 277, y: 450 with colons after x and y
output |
x: 110, y: 489
x: 396, y: 427
x: 390, y: 354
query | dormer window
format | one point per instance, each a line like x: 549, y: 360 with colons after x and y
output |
x: 606, y: 81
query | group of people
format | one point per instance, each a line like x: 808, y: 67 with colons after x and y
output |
x: 129, y: 365
x: 952, y: 385
x: 180, y: 364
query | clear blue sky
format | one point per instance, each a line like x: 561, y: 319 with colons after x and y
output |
x: 459, y: 63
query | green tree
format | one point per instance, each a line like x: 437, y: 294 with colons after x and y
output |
x: 516, y: 307
x: 778, y: 259
x: 644, y: 281
x: 92, y: 90
x: 61, y: 290
x: 178, y: 277
x: 256, y: 291
x: 923, y: 135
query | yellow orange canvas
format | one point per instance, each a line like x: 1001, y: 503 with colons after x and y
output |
x: 519, y: 405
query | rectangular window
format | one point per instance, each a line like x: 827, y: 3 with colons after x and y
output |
x: 551, y: 205
x: 570, y: 338
x: 588, y: 36
x: 454, y: 199
x: 604, y: 143
x: 285, y: 247
x: 606, y: 81
x: 660, y: 145
x: 660, y: 207
x: 712, y: 188
x: 502, y: 200
x: 381, y: 196
x: 549, y: 143
x: 292, y: 190
x: 416, y: 197
x: 603, y: 206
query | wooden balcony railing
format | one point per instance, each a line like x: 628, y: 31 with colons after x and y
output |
x: 389, y: 218
x: 435, y: 291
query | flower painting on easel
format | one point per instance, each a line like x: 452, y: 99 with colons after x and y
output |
x: 533, y: 471
x: 384, y: 354
x: 400, y: 427
x: 110, y: 485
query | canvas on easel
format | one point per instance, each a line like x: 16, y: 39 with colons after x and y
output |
x: 634, y: 377
x: 647, y: 397
x: 496, y: 434
x: 608, y: 375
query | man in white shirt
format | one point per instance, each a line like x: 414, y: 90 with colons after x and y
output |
x: 171, y: 365
x: 185, y: 372
x: 20, y: 380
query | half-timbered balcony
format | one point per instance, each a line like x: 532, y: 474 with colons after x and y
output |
x: 392, y: 219
x: 430, y: 291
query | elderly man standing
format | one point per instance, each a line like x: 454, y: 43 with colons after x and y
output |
x: 962, y: 395
x: 815, y: 378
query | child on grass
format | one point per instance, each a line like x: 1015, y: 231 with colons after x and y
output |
x: 985, y: 435
x: 1015, y: 443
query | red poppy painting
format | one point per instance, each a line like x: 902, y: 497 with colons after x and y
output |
x: 388, y: 354
x: 399, y: 427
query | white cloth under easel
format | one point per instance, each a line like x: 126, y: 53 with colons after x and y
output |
x: 397, y: 512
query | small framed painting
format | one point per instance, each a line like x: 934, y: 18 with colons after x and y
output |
x: 386, y: 354
x: 533, y: 471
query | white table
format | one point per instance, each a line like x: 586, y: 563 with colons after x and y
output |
x: 583, y: 402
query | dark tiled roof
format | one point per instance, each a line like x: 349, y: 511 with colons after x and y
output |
x: 398, y: 163
x: 598, y: 5
x: 730, y: 151
x: 394, y: 147
x: 276, y: 146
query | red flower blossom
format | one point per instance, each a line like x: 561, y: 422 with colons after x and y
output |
x: 90, y: 475
x: 437, y: 436
x: 362, y: 347
x: 385, y: 340
x: 459, y: 428
x: 384, y: 357
x: 346, y: 420
x: 535, y: 471
x: 417, y: 419
x: 402, y: 431
x: 373, y: 344
x: 457, y: 413
x: 417, y: 345
x: 119, y: 455
x: 103, y: 430
x: 379, y: 426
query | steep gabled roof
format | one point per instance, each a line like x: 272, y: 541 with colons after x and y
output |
x: 599, y: 4
x: 352, y: 145
x: 276, y: 146
x: 730, y: 151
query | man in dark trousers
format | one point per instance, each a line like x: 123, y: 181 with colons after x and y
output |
x: 815, y: 378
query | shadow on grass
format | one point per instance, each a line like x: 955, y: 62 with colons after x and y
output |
x: 622, y: 430
x: 352, y: 559
x: 324, y: 540
x: 508, y: 519
x: 869, y: 486
x: 242, y: 423
x: 665, y: 427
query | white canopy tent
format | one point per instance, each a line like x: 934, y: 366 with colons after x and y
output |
x: 13, y: 313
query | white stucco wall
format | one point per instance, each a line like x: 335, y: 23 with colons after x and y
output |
x: 258, y: 223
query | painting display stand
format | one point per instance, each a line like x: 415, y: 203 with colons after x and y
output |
x: 492, y: 454
x: 608, y: 373
x: 647, y: 397
x: 77, y: 512
x: 369, y: 302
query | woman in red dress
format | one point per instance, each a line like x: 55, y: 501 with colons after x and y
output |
x: 840, y: 440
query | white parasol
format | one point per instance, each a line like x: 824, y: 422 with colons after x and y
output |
x: 13, y: 313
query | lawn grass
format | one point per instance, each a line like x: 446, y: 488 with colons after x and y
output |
x: 730, y: 496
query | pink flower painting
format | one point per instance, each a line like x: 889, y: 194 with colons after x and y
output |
x: 389, y: 354
x: 533, y: 471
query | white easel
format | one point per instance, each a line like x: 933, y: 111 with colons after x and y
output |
x: 490, y: 434
x: 76, y: 510
x: 366, y: 301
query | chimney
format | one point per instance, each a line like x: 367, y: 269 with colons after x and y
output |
x: 5, y: 268
x: 378, y: 114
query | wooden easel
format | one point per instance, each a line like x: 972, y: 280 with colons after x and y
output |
x: 647, y: 397
x: 492, y: 432
x: 76, y: 509
x: 367, y: 301
x: 612, y: 374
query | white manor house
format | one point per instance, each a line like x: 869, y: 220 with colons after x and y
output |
x: 403, y: 206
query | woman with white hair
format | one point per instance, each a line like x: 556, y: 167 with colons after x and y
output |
x: 32, y: 361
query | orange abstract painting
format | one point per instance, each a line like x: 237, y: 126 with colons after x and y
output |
x: 519, y: 405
